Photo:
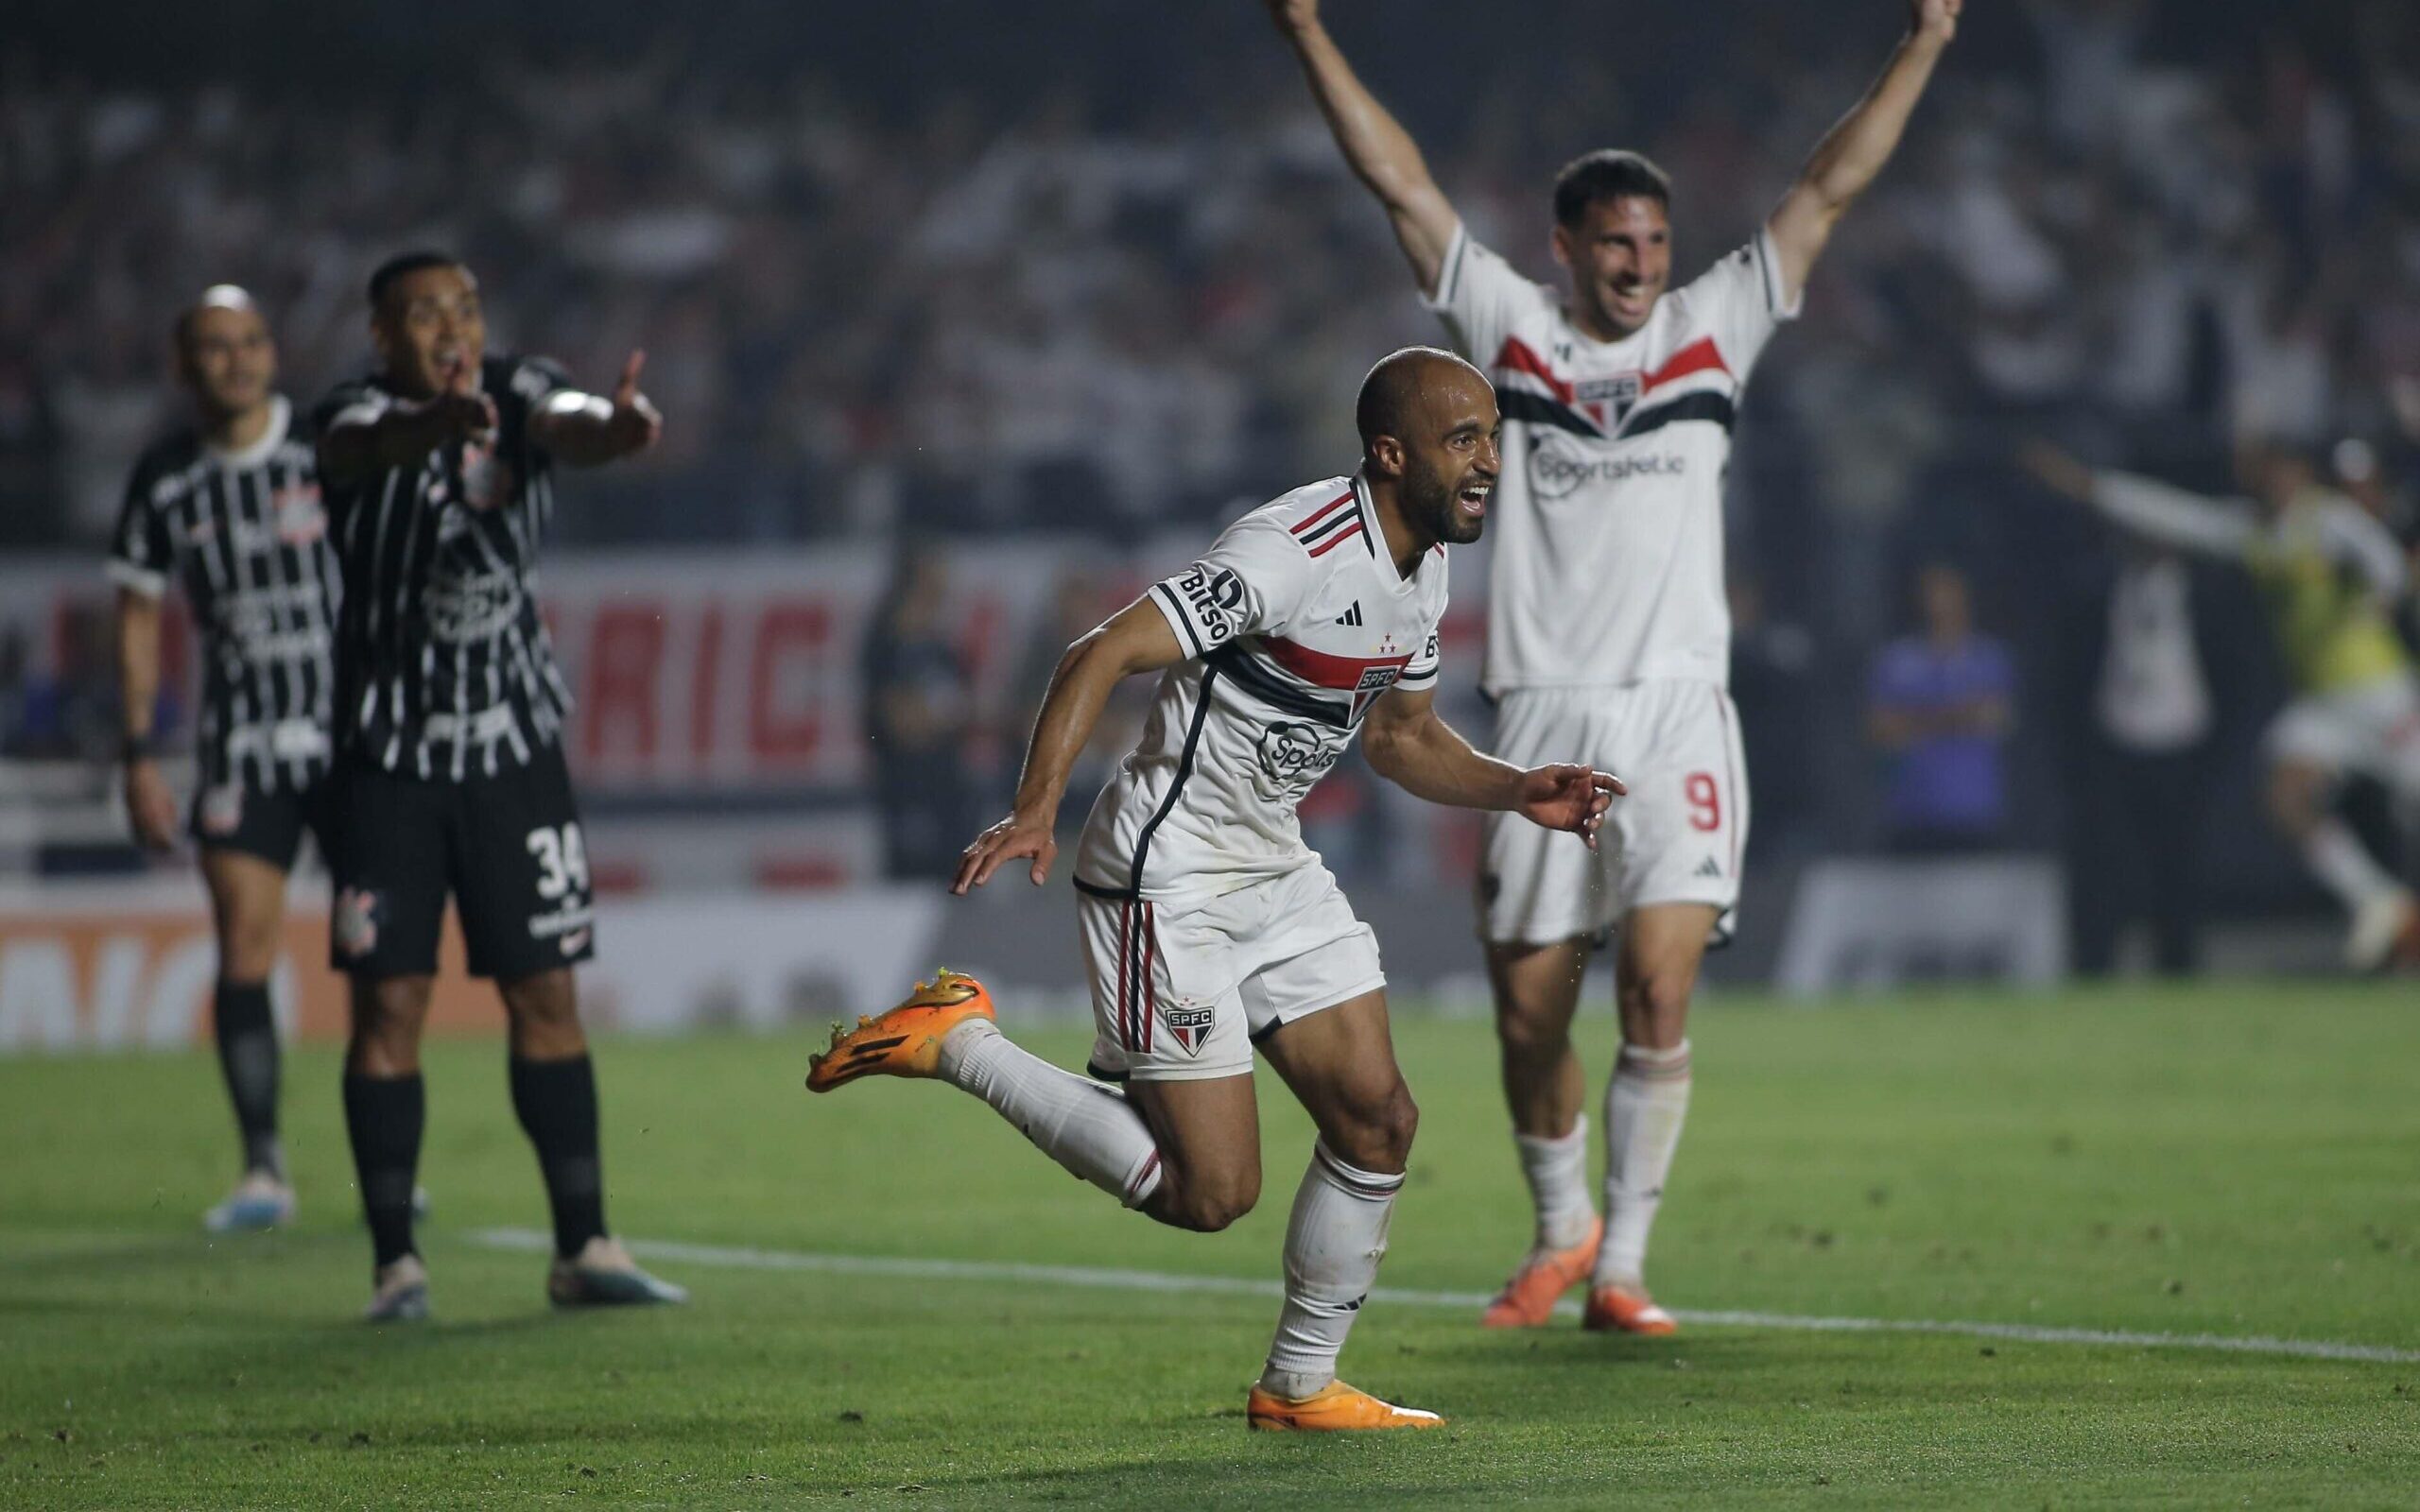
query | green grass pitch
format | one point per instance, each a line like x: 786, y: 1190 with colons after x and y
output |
x: 2241, y: 1162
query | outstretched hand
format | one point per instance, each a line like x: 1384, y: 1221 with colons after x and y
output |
x: 1017, y: 836
x: 1936, y: 19
x: 1570, y: 797
x: 636, y: 422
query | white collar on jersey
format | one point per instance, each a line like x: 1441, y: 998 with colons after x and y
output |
x: 281, y: 420
x: 1377, y: 536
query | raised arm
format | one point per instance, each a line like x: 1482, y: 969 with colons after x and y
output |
x: 1138, y: 639
x: 150, y: 807
x: 582, y: 430
x: 1380, y: 152
x: 2157, y: 511
x: 374, y: 435
x: 1849, y: 158
x: 1411, y: 747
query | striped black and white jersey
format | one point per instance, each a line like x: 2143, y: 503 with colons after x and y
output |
x: 1294, y: 623
x: 444, y: 667
x: 245, y: 533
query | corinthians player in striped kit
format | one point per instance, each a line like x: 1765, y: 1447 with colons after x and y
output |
x: 231, y: 504
x: 451, y: 780
x: 1608, y: 628
x: 1210, y: 930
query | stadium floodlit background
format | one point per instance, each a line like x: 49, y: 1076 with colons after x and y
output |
x: 967, y: 321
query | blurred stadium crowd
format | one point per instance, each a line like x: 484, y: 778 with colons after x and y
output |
x: 1116, y: 279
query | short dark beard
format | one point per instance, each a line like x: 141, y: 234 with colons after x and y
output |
x: 1429, y: 505
x: 1428, y: 499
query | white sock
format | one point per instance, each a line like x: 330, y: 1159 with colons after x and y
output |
x: 1089, y: 1128
x: 1644, y: 1107
x: 2339, y: 859
x: 1558, y: 1173
x: 1333, y: 1245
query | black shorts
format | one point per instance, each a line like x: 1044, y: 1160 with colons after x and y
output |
x: 506, y: 848
x: 236, y: 816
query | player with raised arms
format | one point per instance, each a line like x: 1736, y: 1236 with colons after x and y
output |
x: 2330, y: 576
x: 1210, y: 929
x: 1609, y: 632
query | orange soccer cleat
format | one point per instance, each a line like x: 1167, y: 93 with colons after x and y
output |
x: 906, y: 1041
x: 1333, y: 1408
x: 1528, y: 1299
x: 1617, y: 1309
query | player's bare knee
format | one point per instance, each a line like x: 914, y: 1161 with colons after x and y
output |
x: 1656, y: 1006
x: 543, y: 1014
x: 1529, y: 1031
x: 1207, y: 1202
x: 1398, y: 1122
x: 248, y: 948
x: 2294, y: 792
x: 1375, y: 1131
x: 388, y: 1015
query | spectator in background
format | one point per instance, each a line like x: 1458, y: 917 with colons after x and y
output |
x: 917, y: 714
x: 2141, y: 638
x: 1940, y: 709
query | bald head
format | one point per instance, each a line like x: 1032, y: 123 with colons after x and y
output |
x: 224, y: 353
x: 217, y: 297
x: 1396, y: 389
x: 1427, y: 421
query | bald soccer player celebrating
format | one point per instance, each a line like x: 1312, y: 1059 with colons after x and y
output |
x: 1210, y: 930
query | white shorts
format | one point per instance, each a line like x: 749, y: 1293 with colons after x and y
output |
x: 2374, y: 729
x: 1676, y: 837
x: 1183, y: 997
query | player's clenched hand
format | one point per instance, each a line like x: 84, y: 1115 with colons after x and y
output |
x: 149, y: 806
x: 1294, y: 15
x: 636, y: 422
x: 1936, y: 19
x: 1569, y: 797
x: 1018, y: 835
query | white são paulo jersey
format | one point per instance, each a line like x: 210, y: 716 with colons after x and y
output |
x: 1608, y: 520
x: 1293, y: 623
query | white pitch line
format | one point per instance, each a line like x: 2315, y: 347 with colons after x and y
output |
x: 731, y: 1258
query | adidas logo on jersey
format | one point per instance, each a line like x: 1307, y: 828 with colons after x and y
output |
x: 1351, y: 616
x: 1711, y: 868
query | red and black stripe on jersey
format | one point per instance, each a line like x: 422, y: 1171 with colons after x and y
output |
x: 1559, y: 406
x: 1275, y: 670
x: 1333, y: 523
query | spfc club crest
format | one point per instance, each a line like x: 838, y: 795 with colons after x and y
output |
x: 1607, y: 401
x: 1189, y: 1023
x: 1375, y: 681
